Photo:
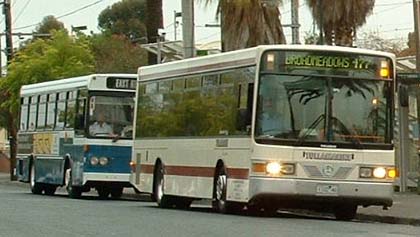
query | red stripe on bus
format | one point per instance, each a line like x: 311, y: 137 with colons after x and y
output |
x: 234, y: 173
x: 147, y: 169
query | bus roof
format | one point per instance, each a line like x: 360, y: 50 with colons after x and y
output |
x: 235, y: 59
x: 68, y: 83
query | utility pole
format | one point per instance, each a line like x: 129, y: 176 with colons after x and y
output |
x: 295, y: 21
x: 188, y: 28
x: 8, y: 22
x: 416, y: 8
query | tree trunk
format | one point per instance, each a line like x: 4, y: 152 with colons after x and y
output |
x: 154, y: 21
x: 12, y: 131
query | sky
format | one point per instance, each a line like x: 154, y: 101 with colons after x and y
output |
x: 391, y: 19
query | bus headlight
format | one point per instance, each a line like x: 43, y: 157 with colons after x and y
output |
x: 379, y: 172
x: 273, y: 168
x: 103, y: 161
x: 94, y: 160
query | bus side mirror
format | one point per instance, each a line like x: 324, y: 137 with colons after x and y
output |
x: 403, y: 95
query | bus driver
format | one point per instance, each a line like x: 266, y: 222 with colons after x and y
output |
x: 100, y: 127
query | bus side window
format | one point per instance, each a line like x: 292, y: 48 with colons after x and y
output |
x: 71, y: 109
x: 33, y: 112
x: 51, y: 108
x: 244, y: 115
x: 80, y: 122
x: 42, y: 112
x: 24, y: 109
x: 61, y: 110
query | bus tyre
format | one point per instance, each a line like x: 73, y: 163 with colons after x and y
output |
x: 50, y: 189
x: 220, y: 204
x: 36, y: 188
x: 73, y: 191
x: 162, y: 200
x: 103, y: 192
x: 345, y: 212
x: 117, y: 192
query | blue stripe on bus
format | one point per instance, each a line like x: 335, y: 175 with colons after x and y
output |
x: 119, y: 158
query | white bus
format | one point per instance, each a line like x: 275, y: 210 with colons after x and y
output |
x: 60, y: 142
x: 268, y: 127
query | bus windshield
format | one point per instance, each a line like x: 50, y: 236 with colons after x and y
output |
x: 111, y: 116
x: 304, y: 109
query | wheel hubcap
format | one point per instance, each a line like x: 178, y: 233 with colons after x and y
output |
x: 159, y: 191
x: 32, y: 176
x: 220, y: 188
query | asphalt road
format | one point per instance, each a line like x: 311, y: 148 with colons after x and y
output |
x: 24, y: 214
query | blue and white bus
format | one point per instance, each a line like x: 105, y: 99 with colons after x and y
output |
x: 55, y: 145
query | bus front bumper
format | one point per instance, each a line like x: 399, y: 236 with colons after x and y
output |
x: 105, y: 177
x: 295, y: 192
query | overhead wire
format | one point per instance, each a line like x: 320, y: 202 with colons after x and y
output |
x: 21, y: 11
x: 64, y: 15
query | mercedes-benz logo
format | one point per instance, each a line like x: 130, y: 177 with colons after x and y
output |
x: 327, y: 170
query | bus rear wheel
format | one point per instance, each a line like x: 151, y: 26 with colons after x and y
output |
x: 345, y: 212
x: 73, y: 191
x: 162, y: 200
x: 36, y: 188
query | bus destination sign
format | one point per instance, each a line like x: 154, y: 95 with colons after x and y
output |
x: 121, y: 83
x: 326, y: 63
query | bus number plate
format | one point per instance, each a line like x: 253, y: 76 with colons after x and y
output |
x: 327, y: 189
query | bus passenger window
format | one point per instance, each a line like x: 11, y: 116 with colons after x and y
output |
x: 51, y: 111
x: 61, y: 110
x: 33, y: 112
x: 24, y: 114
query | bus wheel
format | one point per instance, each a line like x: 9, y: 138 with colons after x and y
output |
x: 50, y: 189
x: 158, y: 188
x: 73, y: 191
x: 345, y: 213
x: 36, y: 188
x: 103, y: 192
x: 117, y: 192
x: 220, y: 204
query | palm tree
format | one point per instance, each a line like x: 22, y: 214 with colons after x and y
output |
x: 339, y: 19
x: 248, y: 23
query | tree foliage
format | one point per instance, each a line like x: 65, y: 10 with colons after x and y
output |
x: 340, y: 18
x: 44, y: 60
x: 48, y: 24
x: 116, y: 54
x: 248, y: 23
x: 126, y: 17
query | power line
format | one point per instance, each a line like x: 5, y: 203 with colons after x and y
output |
x: 22, y: 10
x: 391, y: 4
x: 64, y: 15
